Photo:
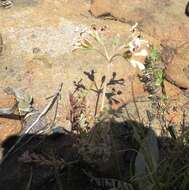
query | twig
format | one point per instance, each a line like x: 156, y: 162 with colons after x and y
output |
x: 43, y: 113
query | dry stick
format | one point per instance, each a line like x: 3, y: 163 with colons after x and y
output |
x: 55, y: 114
x: 43, y: 113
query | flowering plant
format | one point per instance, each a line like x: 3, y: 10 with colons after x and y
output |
x: 134, y: 50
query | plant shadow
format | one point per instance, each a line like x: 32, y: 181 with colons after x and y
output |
x: 60, y: 160
x: 97, y: 86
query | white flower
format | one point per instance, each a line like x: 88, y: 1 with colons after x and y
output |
x: 134, y: 44
x: 138, y: 64
x: 137, y: 42
x: 142, y: 53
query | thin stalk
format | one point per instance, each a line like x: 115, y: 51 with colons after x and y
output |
x: 108, y: 59
x: 105, y: 86
x: 96, y: 105
x: 28, y: 187
x: 134, y: 100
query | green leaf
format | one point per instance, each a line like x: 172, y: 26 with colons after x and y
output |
x: 154, y: 54
x: 115, y: 41
x: 159, y: 77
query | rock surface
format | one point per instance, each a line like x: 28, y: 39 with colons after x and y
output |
x: 38, y: 36
x: 150, y: 15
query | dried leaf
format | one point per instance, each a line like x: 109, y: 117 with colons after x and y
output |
x: 24, y: 101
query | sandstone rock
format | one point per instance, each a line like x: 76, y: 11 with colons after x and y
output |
x: 100, y: 7
x: 176, y: 100
x: 149, y: 14
x: 172, y: 91
x: 8, y: 126
x: 6, y: 100
x: 127, y: 95
x: 119, y: 9
x: 177, y: 71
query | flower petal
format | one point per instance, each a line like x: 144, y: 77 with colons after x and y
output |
x: 138, y: 64
x: 142, y: 53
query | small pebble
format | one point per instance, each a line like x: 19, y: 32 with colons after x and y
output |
x: 36, y: 50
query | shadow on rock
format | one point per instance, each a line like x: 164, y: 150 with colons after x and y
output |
x: 102, y: 158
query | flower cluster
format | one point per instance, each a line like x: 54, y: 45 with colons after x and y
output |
x: 135, y: 50
x: 87, y: 37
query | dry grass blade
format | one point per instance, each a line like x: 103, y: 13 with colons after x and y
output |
x: 28, y: 187
x: 134, y: 100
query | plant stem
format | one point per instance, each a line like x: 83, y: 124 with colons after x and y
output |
x: 105, y: 86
